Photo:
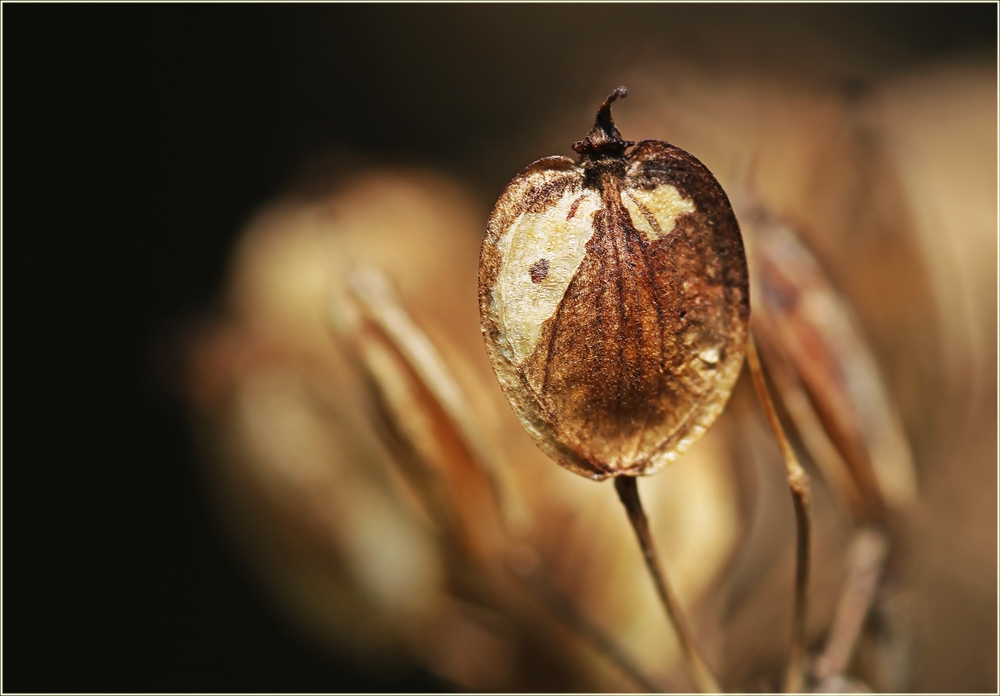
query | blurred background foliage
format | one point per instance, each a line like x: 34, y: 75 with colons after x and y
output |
x: 139, y: 142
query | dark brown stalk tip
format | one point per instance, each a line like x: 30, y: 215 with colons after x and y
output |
x: 604, y: 139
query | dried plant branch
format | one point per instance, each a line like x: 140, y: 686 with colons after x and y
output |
x: 377, y: 298
x: 832, y: 466
x: 628, y: 492
x: 866, y: 560
x: 814, y: 332
x: 798, y: 484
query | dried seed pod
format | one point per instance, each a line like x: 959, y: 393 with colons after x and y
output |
x: 614, y: 301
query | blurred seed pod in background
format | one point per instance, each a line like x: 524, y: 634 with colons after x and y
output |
x: 347, y: 472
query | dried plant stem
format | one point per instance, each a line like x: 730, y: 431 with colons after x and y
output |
x: 851, y: 499
x: 628, y: 492
x: 378, y: 301
x: 798, y: 484
x: 866, y: 559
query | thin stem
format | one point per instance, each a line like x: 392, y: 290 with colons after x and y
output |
x: 824, y: 453
x: 628, y: 492
x: 379, y: 303
x: 798, y: 484
x: 866, y: 559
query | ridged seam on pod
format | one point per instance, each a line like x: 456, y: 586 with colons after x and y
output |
x: 614, y: 301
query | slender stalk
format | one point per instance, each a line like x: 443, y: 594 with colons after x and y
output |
x: 866, y: 560
x: 628, y: 492
x: 852, y: 500
x: 798, y: 484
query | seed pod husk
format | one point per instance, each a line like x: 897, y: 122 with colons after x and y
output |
x: 614, y: 302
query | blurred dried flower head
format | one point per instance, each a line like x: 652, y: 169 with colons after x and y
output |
x: 318, y: 418
x: 369, y: 465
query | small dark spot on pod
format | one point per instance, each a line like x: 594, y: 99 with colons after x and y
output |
x: 539, y: 270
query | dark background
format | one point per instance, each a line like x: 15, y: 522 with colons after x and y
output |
x: 137, y: 141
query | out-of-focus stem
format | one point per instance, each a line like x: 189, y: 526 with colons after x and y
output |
x: 866, y: 559
x: 798, y: 484
x: 860, y: 504
x: 378, y: 301
x: 628, y: 492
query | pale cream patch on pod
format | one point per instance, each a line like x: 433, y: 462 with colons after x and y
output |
x: 541, y: 252
x: 655, y: 212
